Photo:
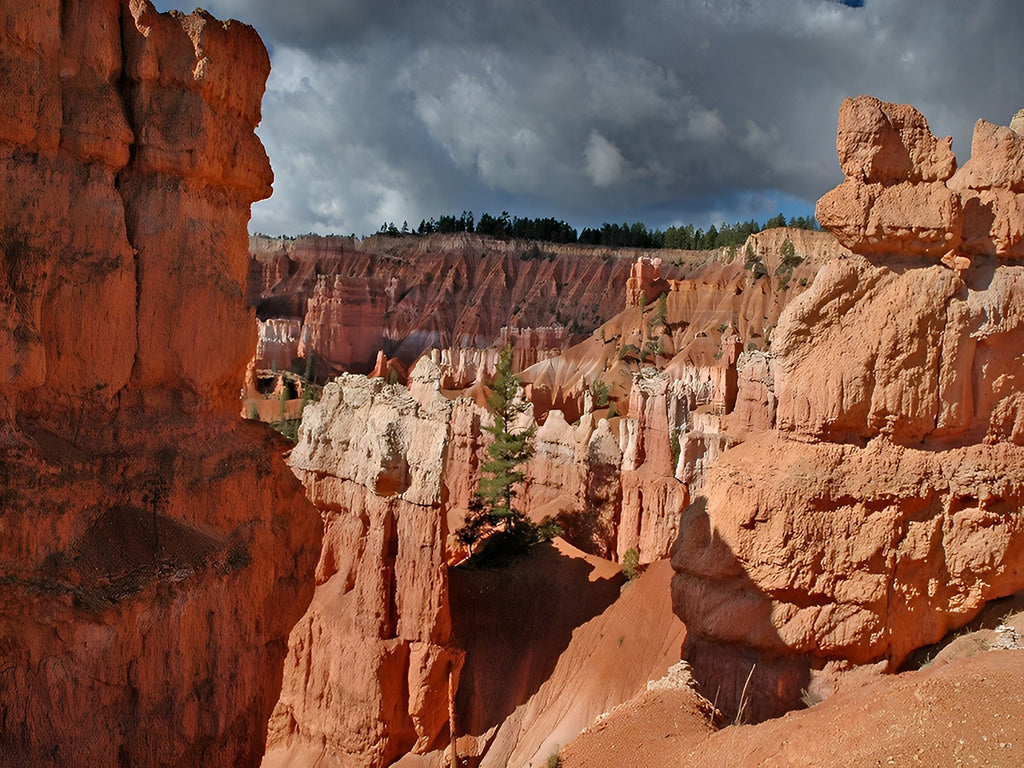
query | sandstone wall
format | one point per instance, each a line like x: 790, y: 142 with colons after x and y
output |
x: 903, y: 194
x: 444, y: 291
x: 366, y: 677
x: 878, y: 508
x: 155, y: 551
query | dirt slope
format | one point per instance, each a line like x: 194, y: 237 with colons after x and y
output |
x: 967, y: 712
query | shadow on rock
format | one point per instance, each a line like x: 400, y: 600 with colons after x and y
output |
x: 513, y: 623
x: 728, y: 622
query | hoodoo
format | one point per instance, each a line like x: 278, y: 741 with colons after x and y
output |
x: 792, y: 462
x: 882, y: 509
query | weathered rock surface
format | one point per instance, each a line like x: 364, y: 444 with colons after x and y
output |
x: 990, y: 186
x: 277, y: 344
x: 149, y: 582
x: 879, y: 550
x: 367, y: 673
x: 154, y: 550
x: 966, y: 711
x: 927, y: 356
x: 462, y: 367
x: 538, y: 672
x: 367, y: 677
x: 651, y: 494
x: 879, y: 509
x: 894, y: 199
x: 344, y: 324
x: 575, y: 476
x: 903, y: 194
x: 441, y: 291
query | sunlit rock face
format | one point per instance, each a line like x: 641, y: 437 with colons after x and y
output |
x: 882, y: 509
x: 155, y: 551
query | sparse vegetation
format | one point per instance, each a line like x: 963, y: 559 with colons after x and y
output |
x: 554, y: 760
x: 661, y: 316
x: 789, y: 257
x: 653, y: 348
x: 534, y: 252
x: 789, y: 260
x: 741, y: 710
x: 289, y: 428
x: 631, y: 564
x: 809, y: 698
x: 754, y: 263
x: 629, y: 350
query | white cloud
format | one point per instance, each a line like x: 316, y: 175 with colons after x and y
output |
x: 605, y: 163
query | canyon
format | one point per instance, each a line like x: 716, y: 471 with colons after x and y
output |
x: 824, y: 521
x: 783, y: 471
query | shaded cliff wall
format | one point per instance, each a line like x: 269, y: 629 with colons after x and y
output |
x: 443, y: 291
x: 155, y: 551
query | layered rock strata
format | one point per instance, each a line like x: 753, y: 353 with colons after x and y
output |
x: 155, y: 550
x: 440, y: 291
x: 372, y: 664
x: 881, y: 509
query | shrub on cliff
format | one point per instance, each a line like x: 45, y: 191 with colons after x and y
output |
x: 631, y: 564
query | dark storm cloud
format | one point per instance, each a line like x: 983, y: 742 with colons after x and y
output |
x: 663, y: 111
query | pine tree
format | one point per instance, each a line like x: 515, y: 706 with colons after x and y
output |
x: 510, y: 450
x: 503, y: 470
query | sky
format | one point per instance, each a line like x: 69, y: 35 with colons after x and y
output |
x: 662, y: 111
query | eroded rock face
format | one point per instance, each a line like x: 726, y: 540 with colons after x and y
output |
x: 651, y: 495
x: 576, y: 475
x: 894, y: 199
x: 438, y: 291
x: 366, y: 677
x: 990, y: 186
x: 904, y: 195
x: 344, y: 323
x: 932, y: 362
x: 881, y: 549
x: 879, y: 509
x: 155, y: 551
x: 148, y: 622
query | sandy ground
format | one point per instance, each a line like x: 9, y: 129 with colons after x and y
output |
x: 969, y: 711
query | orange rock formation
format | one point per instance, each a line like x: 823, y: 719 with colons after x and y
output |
x: 394, y: 471
x: 438, y: 291
x: 903, y: 194
x: 366, y: 677
x: 155, y: 551
x: 879, y: 512
x: 645, y: 282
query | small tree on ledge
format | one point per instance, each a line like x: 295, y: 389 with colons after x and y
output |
x: 511, y: 449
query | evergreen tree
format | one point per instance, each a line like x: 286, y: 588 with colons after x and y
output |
x: 511, y: 449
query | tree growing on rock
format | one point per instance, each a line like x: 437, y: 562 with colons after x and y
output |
x: 493, y: 505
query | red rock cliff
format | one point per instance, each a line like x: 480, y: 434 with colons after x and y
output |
x: 155, y: 551
x: 882, y: 509
x: 443, y: 291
